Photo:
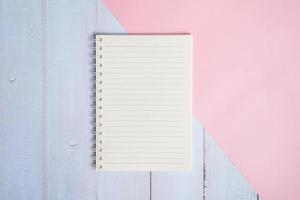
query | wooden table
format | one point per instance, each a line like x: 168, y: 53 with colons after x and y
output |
x: 45, y: 115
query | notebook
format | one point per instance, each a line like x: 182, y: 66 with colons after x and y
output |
x: 143, y: 102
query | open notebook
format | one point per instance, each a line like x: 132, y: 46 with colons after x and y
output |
x: 143, y: 102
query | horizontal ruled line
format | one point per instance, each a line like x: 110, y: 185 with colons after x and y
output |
x: 141, y: 132
x: 144, y: 89
x: 143, y: 100
x: 152, y: 142
x: 105, y: 89
x: 144, y: 51
x: 147, y: 67
x: 141, y: 57
x: 136, y: 126
x: 139, y: 62
x: 162, y: 121
x: 127, y: 83
x: 134, y: 163
x: 152, y: 78
x: 143, y: 94
x: 144, y: 115
x: 146, y: 110
x: 150, y: 46
x: 141, y: 136
x: 133, y: 105
x: 138, y: 152
x: 146, y: 131
x: 175, y: 91
x: 145, y: 147
x: 148, y: 73
x: 154, y: 158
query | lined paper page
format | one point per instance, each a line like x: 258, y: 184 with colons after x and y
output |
x: 143, y: 102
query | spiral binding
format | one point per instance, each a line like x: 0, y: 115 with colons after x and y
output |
x: 93, y: 102
x: 97, y: 87
x: 96, y: 106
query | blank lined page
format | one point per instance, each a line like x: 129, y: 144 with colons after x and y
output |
x: 143, y: 102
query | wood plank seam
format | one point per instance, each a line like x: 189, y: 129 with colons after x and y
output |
x: 45, y: 96
x: 225, y: 180
x: 150, y: 185
x: 204, y: 165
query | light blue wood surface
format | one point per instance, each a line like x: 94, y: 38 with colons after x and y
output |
x: 222, y: 180
x: 22, y: 102
x: 70, y: 174
x: 45, y: 115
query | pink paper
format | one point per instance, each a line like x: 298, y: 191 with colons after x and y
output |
x: 246, y: 79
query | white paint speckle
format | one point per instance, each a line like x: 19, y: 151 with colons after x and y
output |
x: 73, y: 142
x: 12, y: 77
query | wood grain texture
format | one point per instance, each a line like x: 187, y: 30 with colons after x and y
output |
x: 123, y: 186
x: 182, y: 185
x: 21, y: 100
x: 222, y: 180
x: 69, y: 129
x: 118, y: 185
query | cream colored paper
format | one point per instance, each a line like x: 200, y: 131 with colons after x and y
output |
x: 143, y: 102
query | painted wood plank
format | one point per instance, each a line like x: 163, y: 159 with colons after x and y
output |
x: 21, y: 100
x: 222, y: 180
x: 70, y: 25
x: 118, y: 185
x: 182, y: 185
x: 124, y: 186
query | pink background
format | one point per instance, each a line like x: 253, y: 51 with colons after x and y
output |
x: 246, y: 79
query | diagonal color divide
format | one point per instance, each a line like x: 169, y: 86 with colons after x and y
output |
x: 52, y: 146
x: 213, y: 175
x: 247, y: 94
